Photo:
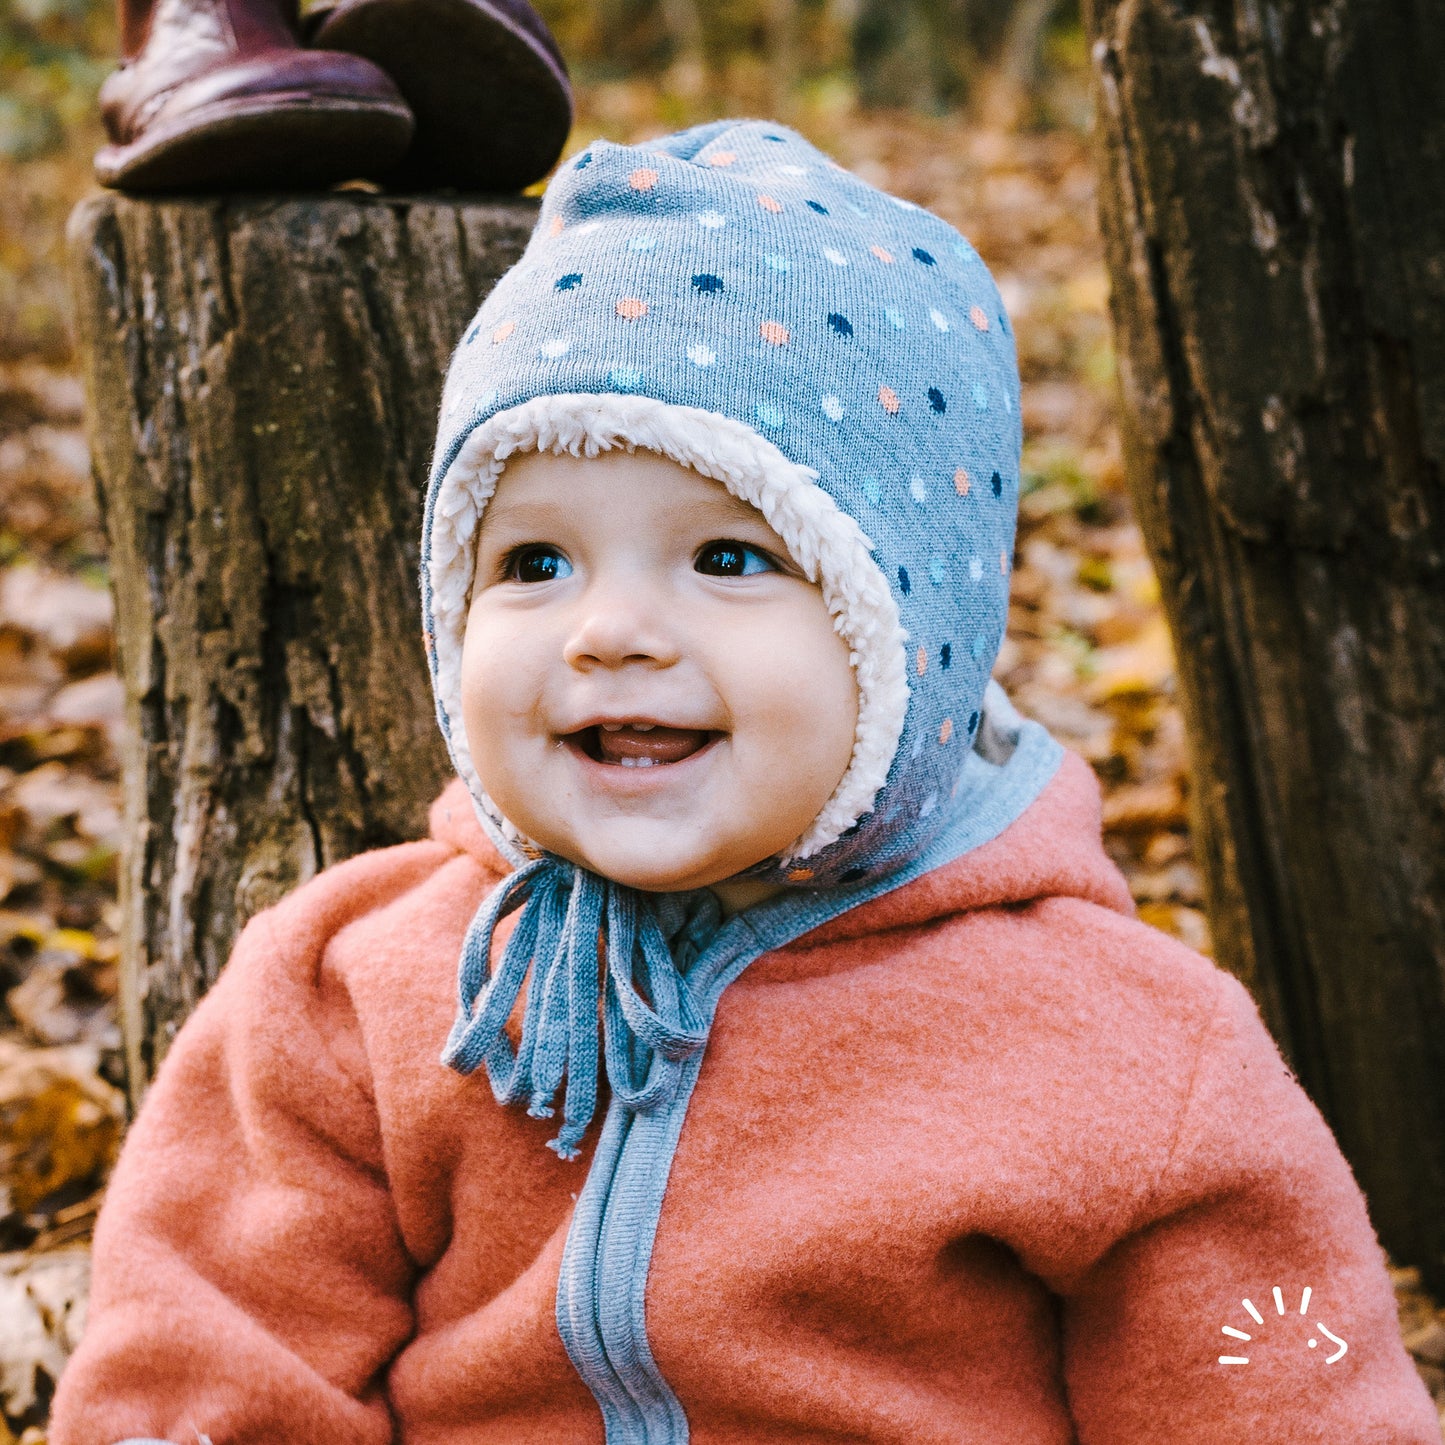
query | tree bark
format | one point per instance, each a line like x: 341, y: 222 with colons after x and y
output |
x: 1274, y: 223
x: 263, y: 378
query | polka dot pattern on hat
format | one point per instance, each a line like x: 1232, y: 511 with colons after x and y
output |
x: 735, y: 269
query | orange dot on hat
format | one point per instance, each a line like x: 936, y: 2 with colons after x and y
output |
x: 775, y: 332
x: 555, y: 229
x: 889, y: 398
x: 503, y: 332
x: 631, y: 307
x: 799, y: 875
x: 922, y: 661
x: 945, y: 732
x: 769, y: 204
x: 722, y: 158
x: 881, y: 254
x: 642, y: 179
x: 976, y: 315
x: 1003, y: 563
x: 960, y: 482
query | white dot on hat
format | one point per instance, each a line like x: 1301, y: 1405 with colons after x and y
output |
x: 836, y: 257
x: 711, y: 219
x: 939, y: 320
x: 832, y: 408
x: 701, y: 355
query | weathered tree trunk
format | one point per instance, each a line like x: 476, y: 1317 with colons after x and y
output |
x: 263, y: 379
x: 1274, y: 216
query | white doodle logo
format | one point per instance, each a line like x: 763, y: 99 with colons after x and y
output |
x: 1255, y: 1315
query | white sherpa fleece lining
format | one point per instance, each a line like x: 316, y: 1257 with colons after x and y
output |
x: 824, y: 541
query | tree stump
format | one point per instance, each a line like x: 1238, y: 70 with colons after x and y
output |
x: 263, y: 377
x: 1274, y: 225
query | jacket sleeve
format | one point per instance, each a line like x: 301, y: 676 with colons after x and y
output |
x: 249, y: 1279
x: 1256, y: 1245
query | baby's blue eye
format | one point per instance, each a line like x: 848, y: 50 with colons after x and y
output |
x: 733, y: 559
x: 537, y: 563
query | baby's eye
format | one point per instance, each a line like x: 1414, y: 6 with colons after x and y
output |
x: 726, y: 558
x: 536, y: 562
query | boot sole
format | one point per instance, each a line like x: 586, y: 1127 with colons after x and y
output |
x: 282, y: 141
x: 493, y: 109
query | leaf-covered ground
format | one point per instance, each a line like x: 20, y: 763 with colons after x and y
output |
x: 1087, y: 654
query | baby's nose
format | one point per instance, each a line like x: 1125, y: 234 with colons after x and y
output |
x: 614, y: 629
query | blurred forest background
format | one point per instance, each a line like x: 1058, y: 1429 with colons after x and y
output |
x: 976, y: 109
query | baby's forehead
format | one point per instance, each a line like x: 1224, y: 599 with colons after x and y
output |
x: 642, y: 480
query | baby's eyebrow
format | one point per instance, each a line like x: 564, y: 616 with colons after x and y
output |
x: 536, y: 513
x: 731, y: 506
x: 524, y: 514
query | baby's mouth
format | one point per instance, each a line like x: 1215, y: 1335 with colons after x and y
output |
x: 639, y: 745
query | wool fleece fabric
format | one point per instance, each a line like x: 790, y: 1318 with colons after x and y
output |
x: 981, y: 1161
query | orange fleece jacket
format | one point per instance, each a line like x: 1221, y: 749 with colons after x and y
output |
x: 983, y: 1161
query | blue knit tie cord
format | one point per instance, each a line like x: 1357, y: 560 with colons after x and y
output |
x: 563, y: 908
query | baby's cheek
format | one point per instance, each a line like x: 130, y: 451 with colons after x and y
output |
x: 498, y: 688
x: 824, y: 686
x: 805, y: 703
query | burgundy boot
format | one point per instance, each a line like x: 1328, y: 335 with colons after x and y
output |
x: 219, y: 94
x: 484, y: 78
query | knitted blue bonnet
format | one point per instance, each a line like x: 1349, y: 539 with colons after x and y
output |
x: 731, y: 298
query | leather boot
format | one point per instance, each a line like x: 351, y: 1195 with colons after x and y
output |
x: 220, y: 94
x: 484, y: 78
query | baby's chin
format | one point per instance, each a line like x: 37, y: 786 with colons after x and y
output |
x: 656, y: 862
x: 651, y: 878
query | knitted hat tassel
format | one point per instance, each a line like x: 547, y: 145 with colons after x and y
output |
x: 558, y: 933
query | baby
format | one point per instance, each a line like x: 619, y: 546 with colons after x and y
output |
x: 871, y: 1112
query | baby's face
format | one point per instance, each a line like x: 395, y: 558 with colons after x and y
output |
x: 650, y: 687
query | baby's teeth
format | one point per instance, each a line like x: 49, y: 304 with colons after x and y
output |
x: 643, y: 727
x: 637, y: 762
x: 612, y: 727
